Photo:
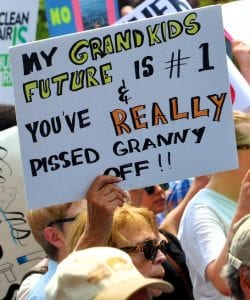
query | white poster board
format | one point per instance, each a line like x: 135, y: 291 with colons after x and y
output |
x: 18, y: 21
x: 147, y: 101
x: 152, y: 8
x: 18, y: 250
x: 236, y: 19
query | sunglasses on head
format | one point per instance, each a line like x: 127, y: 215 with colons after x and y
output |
x: 60, y: 221
x: 149, y: 248
x: 151, y: 189
x: 243, y: 147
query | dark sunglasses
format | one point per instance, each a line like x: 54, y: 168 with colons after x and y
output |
x: 60, y: 221
x: 151, y: 189
x: 149, y: 248
x: 243, y: 147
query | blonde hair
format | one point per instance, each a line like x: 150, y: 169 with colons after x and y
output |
x: 242, y: 127
x: 127, y: 216
x: 75, y: 231
x: 38, y: 220
x: 135, y: 219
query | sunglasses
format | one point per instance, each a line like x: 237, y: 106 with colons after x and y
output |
x: 151, y: 189
x: 60, y: 221
x: 149, y: 248
x: 243, y: 147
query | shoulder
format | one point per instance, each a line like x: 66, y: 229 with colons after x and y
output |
x: 27, y: 284
x: 38, y: 291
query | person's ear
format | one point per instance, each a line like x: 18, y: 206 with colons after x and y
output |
x: 54, y: 237
x: 245, y: 280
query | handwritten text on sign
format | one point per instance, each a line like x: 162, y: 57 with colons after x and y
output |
x: 147, y: 101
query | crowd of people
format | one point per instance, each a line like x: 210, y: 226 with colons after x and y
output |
x: 188, y: 239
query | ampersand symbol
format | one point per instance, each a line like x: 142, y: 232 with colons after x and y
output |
x: 122, y: 90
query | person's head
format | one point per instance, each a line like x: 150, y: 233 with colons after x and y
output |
x: 132, y: 228
x: 153, y: 197
x: 101, y: 273
x: 49, y: 226
x: 242, y: 133
x: 237, y: 270
x: 135, y: 231
x: 7, y: 116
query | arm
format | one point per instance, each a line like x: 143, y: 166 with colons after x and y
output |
x: 103, y: 197
x: 241, y: 52
x: 172, y: 219
x: 213, y: 270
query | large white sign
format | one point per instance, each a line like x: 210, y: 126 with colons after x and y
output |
x: 18, y: 250
x: 147, y: 101
x: 18, y: 21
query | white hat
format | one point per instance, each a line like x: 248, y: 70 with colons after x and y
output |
x: 239, y: 253
x: 99, y: 273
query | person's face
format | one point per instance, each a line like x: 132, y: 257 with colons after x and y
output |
x: 148, y: 268
x: 156, y: 201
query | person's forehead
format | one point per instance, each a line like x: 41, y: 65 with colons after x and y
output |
x: 139, y: 236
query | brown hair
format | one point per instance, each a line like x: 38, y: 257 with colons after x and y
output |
x: 242, y: 127
x: 39, y: 219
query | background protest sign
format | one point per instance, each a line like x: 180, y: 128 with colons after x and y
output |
x: 99, y: 13
x: 68, y: 16
x: 18, y: 21
x: 152, y: 8
x: 236, y: 19
x: 236, y: 23
x: 240, y: 90
x: 63, y: 16
x: 147, y: 101
x: 18, y: 250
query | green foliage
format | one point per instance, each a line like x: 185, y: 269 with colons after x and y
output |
x: 42, y: 26
x: 212, y: 2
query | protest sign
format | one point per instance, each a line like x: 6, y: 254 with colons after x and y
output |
x: 152, y: 8
x: 18, y: 21
x: 236, y: 19
x: 18, y: 250
x: 240, y: 90
x: 68, y: 16
x: 147, y: 101
x: 98, y: 13
x: 63, y: 16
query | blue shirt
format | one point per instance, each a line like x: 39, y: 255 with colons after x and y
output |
x: 179, y: 189
x: 38, y: 291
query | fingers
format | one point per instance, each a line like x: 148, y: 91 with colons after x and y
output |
x: 111, y: 188
x: 247, y: 177
x: 105, y: 195
x: 102, y: 180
